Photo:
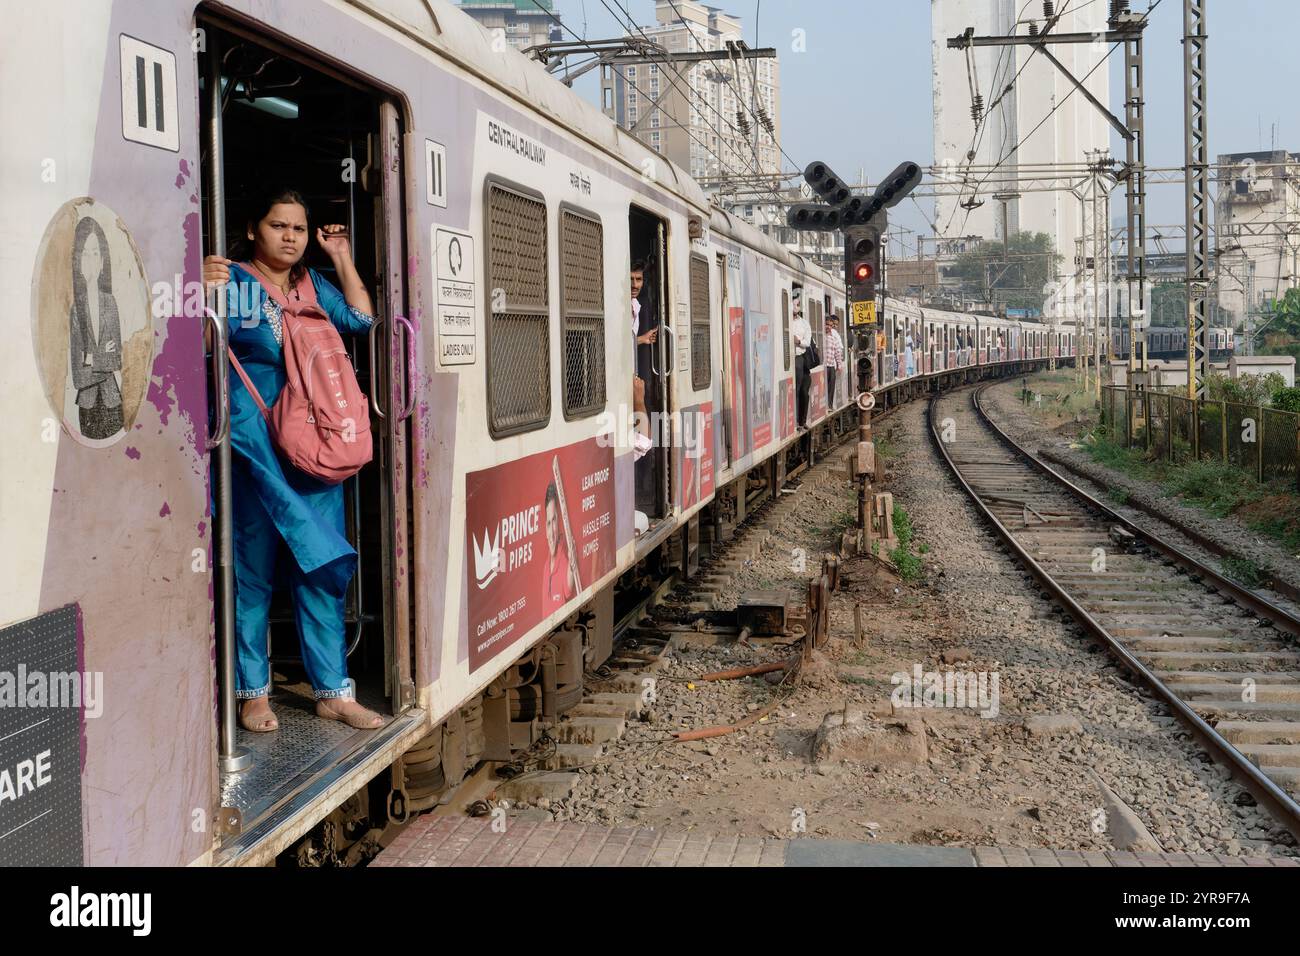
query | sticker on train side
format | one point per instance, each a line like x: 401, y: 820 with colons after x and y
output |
x: 453, y: 278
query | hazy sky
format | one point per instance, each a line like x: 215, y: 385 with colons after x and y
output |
x: 860, y: 96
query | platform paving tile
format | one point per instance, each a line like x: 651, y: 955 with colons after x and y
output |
x: 474, y: 842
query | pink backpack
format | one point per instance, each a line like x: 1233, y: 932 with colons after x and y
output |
x: 321, y: 421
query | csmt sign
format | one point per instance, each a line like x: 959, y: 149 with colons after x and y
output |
x: 44, y: 698
x: 864, y: 313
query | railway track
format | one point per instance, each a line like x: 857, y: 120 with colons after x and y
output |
x: 1225, y: 660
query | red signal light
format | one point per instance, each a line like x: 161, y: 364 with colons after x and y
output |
x: 862, y: 272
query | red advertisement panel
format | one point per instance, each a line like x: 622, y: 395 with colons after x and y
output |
x: 817, y: 395
x: 697, y: 455
x: 539, y: 531
x: 785, y: 396
x: 736, y: 340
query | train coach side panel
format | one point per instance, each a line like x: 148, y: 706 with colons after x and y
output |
x: 105, y: 504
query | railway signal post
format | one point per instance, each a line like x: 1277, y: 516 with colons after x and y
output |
x: 863, y: 220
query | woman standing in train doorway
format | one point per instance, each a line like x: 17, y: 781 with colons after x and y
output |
x: 275, y: 504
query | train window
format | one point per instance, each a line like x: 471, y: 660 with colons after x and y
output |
x: 518, y: 332
x: 582, y: 314
x: 701, y: 369
x: 785, y: 327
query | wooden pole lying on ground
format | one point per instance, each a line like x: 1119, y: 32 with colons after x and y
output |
x: 721, y: 731
x: 737, y: 672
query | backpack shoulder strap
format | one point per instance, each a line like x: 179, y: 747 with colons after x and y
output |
x: 248, y: 384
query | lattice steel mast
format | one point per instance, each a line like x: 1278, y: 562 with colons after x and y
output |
x: 1196, y: 193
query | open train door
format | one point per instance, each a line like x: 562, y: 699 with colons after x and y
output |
x: 394, y: 337
x: 271, y: 782
x: 728, y: 399
x: 666, y: 353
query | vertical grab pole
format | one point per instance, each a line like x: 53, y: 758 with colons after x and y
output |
x: 231, y: 757
x: 663, y: 437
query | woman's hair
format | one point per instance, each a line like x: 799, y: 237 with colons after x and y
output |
x: 257, y: 210
x: 86, y: 227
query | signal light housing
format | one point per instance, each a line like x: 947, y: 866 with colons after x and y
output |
x: 895, y: 187
x: 826, y: 184
x: 862, y: 266
x: 813, y: 217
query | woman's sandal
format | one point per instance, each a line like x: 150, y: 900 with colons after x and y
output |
x: 361, y: 719
x: 258, y: 721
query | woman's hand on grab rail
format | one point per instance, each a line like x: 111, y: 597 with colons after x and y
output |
x: 334, y: 240
x: 216, y: 272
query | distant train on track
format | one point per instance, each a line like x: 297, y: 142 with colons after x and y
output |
x: 1170, y: 343
x: 494, y: 215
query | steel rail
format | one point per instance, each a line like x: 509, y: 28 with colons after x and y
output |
x: 1264, y: 789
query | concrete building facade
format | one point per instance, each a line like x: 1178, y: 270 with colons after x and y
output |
x: 706, y: 117
x: 521, y: 22
x: 1257, y: 232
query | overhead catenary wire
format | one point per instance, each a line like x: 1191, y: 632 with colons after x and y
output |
x: 739, y: 99
x: 981, y: 123
x: 1056, y: 106
x: 628, y: 80
x: 741, y: 133
x: 687, y: 93
x: 631, y: 83
x: 977, y: 137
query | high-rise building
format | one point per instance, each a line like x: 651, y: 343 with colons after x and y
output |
x: 523, y: 23
x: 1008, y: 131
x: 717, y: 118
x: 1257, y: 232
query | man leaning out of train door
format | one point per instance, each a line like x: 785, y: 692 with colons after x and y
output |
x: 802, y: 332
x: 641, y: 441
x: 641, y: 438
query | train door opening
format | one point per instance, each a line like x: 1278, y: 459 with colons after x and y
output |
x: 271, y: 119
x: 648, y: 241
x: 728, y: 397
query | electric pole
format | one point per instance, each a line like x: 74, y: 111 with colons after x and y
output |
x: 1196, y: 194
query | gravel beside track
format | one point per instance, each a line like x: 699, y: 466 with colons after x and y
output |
x: 1003, y: 404
x: 1004, y: 780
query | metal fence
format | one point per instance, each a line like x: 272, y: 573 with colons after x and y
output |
x: 1262, y: 441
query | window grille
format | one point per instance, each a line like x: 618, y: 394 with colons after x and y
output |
x: 518, y: 323
x: 582, y: 314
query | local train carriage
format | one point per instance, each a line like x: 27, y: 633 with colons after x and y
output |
x: 1170, y: 342
x: 494, y: 217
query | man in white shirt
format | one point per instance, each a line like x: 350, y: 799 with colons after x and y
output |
x: 641, y: 440
x: 802, y: 333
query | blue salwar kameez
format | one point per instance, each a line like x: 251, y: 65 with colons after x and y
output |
x: 278, y: 508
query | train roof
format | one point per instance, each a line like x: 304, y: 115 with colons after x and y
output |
x: 439, y: 25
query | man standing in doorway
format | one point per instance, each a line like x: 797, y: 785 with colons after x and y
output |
x: 641, y: 439
x: 833, y: 359
x: 802, y: 332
